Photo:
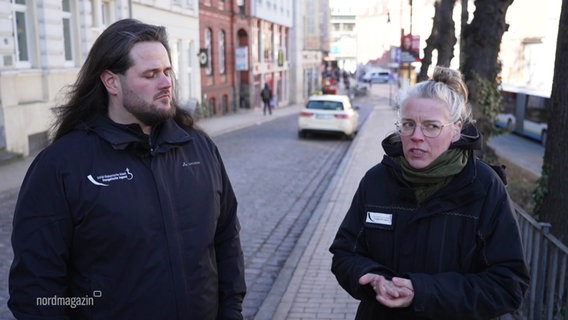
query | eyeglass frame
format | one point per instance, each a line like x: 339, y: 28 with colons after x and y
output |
x: 398, y: 125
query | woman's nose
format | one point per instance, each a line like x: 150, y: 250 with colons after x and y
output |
x: 417, y: 134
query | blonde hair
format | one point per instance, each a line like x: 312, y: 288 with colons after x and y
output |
x: 447, y: 85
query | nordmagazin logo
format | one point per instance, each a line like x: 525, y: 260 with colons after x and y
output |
x: 71, y: 302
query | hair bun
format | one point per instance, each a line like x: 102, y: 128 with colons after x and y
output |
x: 452, y: 78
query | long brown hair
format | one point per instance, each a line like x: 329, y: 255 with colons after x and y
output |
x: 111, y: 51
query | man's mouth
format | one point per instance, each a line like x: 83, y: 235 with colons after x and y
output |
x: 163, y: 95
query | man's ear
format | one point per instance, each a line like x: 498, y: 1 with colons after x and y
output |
x: 110, y: 81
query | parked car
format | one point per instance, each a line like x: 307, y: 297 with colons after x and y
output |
x: 329, y: 114
x: 376, y: 76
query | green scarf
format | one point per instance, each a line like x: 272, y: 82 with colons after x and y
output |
x: 435, y: 176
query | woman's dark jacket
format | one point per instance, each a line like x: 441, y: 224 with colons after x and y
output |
x: 145, y: 228
x: 461, y: 248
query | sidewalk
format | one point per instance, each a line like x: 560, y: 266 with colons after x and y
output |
x: 306, y: 288
x: 219, y: 125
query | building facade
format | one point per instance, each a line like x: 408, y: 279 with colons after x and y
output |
x: 217, y: 64
x: 308, y: 44
x: 270, y: 23
x: 343, y: 33
x: 44, y: 43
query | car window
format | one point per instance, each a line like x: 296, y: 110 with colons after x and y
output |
x: 325, y: 105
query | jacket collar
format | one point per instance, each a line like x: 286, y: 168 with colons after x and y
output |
x: 165, y: 136
x: 453, y: 195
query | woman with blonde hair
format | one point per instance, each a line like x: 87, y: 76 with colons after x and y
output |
x: 431, y: 232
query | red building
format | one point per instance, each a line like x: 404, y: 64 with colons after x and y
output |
x: 240, y: 54
x: 223, y: 27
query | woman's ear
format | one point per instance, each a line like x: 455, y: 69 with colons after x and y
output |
x: 110, y: 81
x: 457, y: 131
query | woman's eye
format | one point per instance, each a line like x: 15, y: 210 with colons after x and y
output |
x: 432, y: 126
x: 408, y: 124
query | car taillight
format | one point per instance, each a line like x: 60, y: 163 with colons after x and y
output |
x: 306, y: 114
x: 342, y: 116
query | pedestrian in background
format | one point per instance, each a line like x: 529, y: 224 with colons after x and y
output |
x: 130, y: 206
x: 266, y: 96
x: 431, y: 232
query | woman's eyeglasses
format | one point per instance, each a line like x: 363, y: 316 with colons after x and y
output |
x: 429, y: 129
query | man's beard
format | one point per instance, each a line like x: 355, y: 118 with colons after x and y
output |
x: 147, y: 113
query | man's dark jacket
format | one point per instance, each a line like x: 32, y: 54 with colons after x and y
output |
x: 461, y: 248
x: 141, y: 227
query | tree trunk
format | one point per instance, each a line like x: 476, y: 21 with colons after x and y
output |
x: 481, y: 41
x: 463, y: 25
x: 554, y: 208
x: 442, y: 38
x: 447, y: 27
x: 482, y: 38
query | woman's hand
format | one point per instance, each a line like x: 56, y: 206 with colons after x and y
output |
x: 397, y: 293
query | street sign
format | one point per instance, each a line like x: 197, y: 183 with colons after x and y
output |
x: 203, y: 57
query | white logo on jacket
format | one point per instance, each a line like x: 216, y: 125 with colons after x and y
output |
x: 105, y: 179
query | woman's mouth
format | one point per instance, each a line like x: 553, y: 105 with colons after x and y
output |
x: 417, y: 152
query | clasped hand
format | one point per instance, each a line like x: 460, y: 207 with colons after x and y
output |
x: 395, y: 293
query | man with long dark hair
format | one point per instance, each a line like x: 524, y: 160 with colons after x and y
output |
x: 129, y: 213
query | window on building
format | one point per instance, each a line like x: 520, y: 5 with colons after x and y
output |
x: 208, y: 45
x: 190, y: 59
x: 257, y: 42
x: 102, y: 13
x: 21, y: 24
x: 222, y: 52
x: 241, y: 5
x: 275, y: 42
x: 267, y: 41
x: 67, y: 30
x: 107, y: 13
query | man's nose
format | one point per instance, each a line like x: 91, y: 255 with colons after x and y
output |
x: 165, y: 81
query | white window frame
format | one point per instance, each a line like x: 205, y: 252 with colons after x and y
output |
x: 189, y: 70
x: 17, y: 10
x: 68, y: 38
x: 207, y: 33
x: 103, y: 13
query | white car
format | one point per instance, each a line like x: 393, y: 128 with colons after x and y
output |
x: 377, y: 76
x: 329, y: 113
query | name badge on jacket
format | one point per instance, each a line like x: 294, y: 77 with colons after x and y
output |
x: 379, y: 220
